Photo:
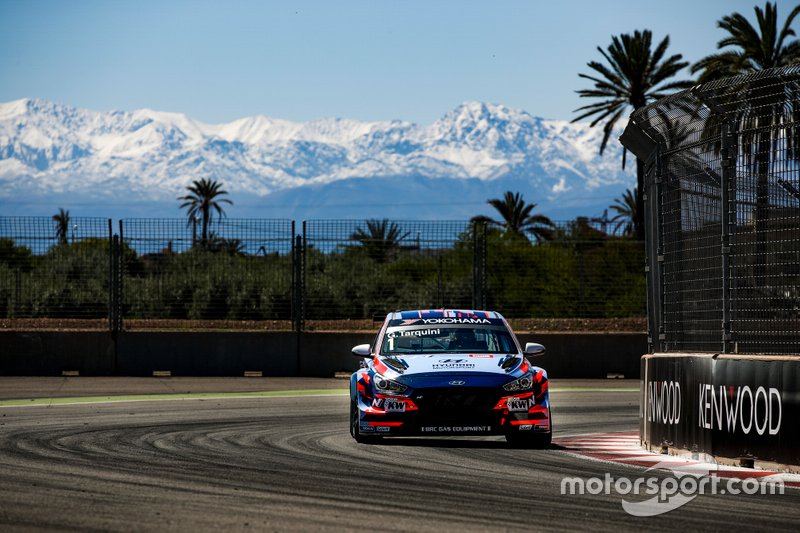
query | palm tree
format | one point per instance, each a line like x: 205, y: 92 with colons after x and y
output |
x: 625, y: 207
x: 232, y: 247
x: 62, y: 225
x: 635, y: 76
x: 380, y: 238
x: 202, y: 200
x: 517, y: 218
x: 747, y: 49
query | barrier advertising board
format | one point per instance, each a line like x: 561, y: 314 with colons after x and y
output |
x: 728, y: 406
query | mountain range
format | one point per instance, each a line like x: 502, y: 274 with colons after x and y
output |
x: 128, y: 164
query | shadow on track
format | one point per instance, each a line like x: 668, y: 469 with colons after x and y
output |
x: 425, y: 442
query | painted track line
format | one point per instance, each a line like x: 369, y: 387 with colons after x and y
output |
x: 79, y: 400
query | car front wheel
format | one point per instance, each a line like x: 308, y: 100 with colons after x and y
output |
x: 355, y: 427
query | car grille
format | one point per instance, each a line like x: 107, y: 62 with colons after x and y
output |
x: 453, y: 403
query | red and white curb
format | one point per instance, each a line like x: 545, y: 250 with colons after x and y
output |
x: 625, y: 449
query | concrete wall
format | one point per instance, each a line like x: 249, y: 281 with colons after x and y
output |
x: 729, y: 406
x: 569, y: 355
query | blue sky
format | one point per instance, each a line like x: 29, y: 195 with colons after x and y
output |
x: 300, y: 60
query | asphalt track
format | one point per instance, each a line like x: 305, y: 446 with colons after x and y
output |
x: 287, y: 462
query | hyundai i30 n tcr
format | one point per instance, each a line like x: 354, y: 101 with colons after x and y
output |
x: 449, y: 372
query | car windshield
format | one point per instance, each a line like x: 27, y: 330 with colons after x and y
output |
x: 448, y: 339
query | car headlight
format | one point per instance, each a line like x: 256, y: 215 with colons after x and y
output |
x: 525, y: 382
x: 386, y: 385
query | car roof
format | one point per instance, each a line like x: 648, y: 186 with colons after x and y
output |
x: 443, y: 313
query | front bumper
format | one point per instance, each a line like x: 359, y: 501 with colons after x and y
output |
x: 465, y: 411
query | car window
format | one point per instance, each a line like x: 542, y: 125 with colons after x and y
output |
x: 451, y: 339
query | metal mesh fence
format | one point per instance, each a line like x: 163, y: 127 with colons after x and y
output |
x: 158, y: 272
x: 356, y: 269
x: 359, y: 268
x: 234, y: 269
x: 723, y: 185
x: 54, y: 267
x: 580, y: 273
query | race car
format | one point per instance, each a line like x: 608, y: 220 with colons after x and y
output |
x: 449, y: 372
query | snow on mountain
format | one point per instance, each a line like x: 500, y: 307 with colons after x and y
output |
x: 136, y: 163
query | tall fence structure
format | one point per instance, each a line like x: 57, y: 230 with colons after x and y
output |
x: 722, y: 188
x: 234, y: 269
x: 55, y: 267
x: 723, y: 210
x: 141, y: 273
x: 357, y: 269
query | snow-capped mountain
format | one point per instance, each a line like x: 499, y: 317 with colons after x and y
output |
x: 126, y: 164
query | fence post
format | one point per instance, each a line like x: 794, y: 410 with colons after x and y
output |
x: 439, y: 300
x: 114, y: 289
x: 728, y: 181
x: 298, y: 281
x: 654, y: 266
x: 479, y: 265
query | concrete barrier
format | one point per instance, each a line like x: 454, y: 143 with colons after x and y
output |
x: 139, y: 353
x: 730, y: 407
x: 49, y: 353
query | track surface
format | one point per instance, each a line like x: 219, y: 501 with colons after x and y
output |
x: 289, y: 463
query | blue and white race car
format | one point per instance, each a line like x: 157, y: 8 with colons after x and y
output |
x: 449, y: 372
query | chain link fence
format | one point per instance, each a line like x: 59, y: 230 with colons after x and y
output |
x: 581, y: 272
x: 233, y: 269
x: 357, y: 269
x: 54, y: 267
x: 723, y: 207
x: 145, y: 273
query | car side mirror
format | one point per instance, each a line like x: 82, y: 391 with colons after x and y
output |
x: 362, y: 350
x: 534, y: 349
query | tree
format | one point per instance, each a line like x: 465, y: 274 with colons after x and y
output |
x: 202, y: 200
x: 625, y: 207
x: 380, y: 238
x: 232, y: 247
x: 634, y: 76
x: 747, y: 49
x: 518, y: 218
x: 744, y: 50
x: 62, y: 225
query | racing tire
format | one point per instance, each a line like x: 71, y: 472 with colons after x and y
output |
x: 355, y: 428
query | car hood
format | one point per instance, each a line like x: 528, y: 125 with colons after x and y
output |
x: 452, y: 363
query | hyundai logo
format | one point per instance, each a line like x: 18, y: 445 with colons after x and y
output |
x: 457, y: 382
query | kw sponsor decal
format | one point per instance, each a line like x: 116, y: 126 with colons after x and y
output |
x: 664, y: 402
x: 394, y: 406
x: 389, y: 405
x: 516, y: 405
x: 733, y: 409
